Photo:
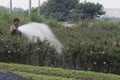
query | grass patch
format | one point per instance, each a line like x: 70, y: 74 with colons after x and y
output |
x: 47, y: 73
x: 40, y: 76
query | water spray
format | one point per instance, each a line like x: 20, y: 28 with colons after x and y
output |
x: 34, y: 31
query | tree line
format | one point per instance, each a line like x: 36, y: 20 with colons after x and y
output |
x: 71, y: 10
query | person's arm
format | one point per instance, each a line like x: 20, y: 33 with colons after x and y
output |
x: 12, y: 29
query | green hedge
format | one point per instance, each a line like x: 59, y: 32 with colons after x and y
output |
x: 94, y: 45
x: 90, y: 48
x: 17, y: 49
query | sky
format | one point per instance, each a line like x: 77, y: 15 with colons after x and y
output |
x: 107, y: 3
x: 20, y: 3
x: 24, y: 3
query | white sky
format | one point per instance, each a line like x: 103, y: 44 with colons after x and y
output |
x: 24, y: 3
x: 108, y: 3
x: 20, y: 3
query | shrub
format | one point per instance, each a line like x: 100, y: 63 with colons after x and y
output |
x: 105, y: 25
x: 16, y: 49
x: 53, y: 23
x: 90, y: 48
x: 94, y: 45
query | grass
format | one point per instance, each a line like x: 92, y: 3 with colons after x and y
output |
x: 47, y: 73
x: 41, y: 77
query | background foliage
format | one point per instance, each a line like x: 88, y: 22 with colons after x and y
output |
x: 67, y: 10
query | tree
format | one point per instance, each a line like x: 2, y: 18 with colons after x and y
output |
x: 89, y: 10
x: 58, y: 9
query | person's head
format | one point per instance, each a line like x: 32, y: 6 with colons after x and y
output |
x: 16, y: 22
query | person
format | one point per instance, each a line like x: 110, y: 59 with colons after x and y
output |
x: 14, y: 28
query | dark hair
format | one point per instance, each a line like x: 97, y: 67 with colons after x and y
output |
x: 16, y: 19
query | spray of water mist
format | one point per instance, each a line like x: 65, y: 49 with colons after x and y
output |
x: 33, y: 31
